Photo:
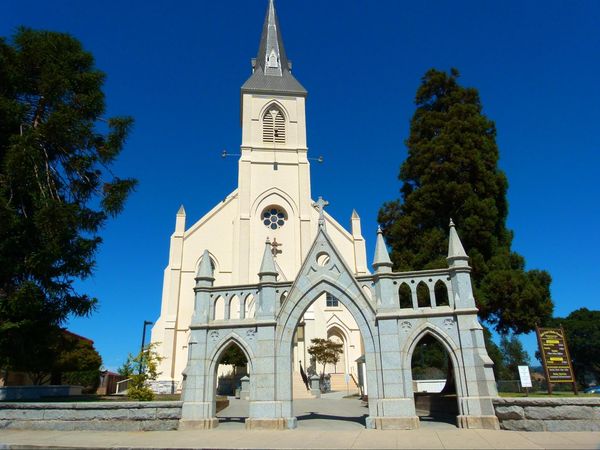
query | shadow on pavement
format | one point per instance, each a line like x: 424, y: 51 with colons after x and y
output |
x: 315, y: 415
x: 231, y: 419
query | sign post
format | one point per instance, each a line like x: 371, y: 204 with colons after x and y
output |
x: 555, y: 357
x: 525, y: 377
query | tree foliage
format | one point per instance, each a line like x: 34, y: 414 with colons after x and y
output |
x: 325, y: 351
x: 235, y: 356
x: 582, y: 330
x: 452, y: 172
x: 513, y: 355
x: 494, y: 353
x: 142, y: 369
x: 429, y: 360
x: 56, y: 187
x: 78, y: 363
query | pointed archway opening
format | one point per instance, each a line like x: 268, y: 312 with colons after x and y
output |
x: 232, y: 386
x: 434, y: 385
x: 325, y: 384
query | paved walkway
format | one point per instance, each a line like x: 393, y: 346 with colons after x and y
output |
x: 325, y: 423
x: 301, y: 438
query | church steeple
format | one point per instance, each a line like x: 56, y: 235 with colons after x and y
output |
x: 271, y: 53
x: 271, y: 70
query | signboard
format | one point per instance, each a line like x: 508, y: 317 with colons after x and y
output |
x: 555, y: 356
x: 525, y: 376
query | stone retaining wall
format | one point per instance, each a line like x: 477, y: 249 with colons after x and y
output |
x: 111, y: 416
x: 548, y: 414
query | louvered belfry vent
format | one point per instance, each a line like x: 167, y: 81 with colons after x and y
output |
x: 274, y: 126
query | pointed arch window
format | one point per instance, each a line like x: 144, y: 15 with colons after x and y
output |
x: 274, y: 125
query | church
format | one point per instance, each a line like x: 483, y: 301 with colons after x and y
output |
x: 268, y: 269
x: 273, y: 200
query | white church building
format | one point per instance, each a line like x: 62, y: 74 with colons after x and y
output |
x: 267, y: 269
x: 273, y: 200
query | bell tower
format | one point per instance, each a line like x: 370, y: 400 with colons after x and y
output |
x: 274, y: 175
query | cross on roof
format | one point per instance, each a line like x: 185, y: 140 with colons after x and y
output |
x: 274, y: 250
x: 321, y: 204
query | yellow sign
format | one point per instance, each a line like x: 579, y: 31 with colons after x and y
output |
x: 555, y: 355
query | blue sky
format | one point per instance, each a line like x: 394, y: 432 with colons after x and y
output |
x: 177, y: 67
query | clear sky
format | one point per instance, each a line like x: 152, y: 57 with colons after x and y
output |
x: 177, y: 68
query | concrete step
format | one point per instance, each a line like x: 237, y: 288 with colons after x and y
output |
x: 338, y: 383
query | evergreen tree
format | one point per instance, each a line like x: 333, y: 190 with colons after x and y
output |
x: 452, y: 172
x: 582, y: 330
x: 494, y: 353
x: 56, y: 188
x: 513, y: 355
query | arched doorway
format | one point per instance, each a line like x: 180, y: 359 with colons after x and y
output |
x: 231, y: 385
x: 433, y: 382
x: 335, y: 335
x: 354, y: 412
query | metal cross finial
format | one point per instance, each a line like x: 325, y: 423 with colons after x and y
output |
x: 321, y: 204
x: 274, y: 250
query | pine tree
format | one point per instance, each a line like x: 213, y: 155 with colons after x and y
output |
x: 56, y: 188
x: 452, y: 172
x: 513, y: 355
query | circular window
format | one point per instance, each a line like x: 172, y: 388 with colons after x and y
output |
x: 273, y: 217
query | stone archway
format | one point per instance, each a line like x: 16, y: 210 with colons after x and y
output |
x: 292, y: 311
x: 435, y: 402
x: 389, y: 334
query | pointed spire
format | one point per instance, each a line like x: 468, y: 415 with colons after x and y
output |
x: 271, y: 56
x: 268, y: 271
x: 205, y: 270
x: 355, y: 225
x: 382, y: 261
x: 456, y: 253
x: 271, y: 70
x: 180, y: 221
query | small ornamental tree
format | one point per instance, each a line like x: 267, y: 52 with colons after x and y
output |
x: 452, y: 172
x: 325, y: 351
x: 142, y: 369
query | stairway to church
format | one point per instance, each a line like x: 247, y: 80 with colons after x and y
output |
x: 299, y: 389
x: 338, y: 383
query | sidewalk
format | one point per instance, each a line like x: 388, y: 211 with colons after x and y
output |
x: 307, y: 438
x: 322, y: 423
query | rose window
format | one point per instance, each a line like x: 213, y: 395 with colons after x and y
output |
x: 274, y: 217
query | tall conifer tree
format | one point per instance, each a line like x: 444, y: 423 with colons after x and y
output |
x: 56, y: 188
x: 452, y: 172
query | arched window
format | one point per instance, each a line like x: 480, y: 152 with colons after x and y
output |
x: 234, y: 307
x: 283, y: 297
x: 423, y: 299
x: 219, y: 308
x: 367, y: 291
x: 274, y: 125
x: 250, y: 306
x: 405, y: 296
x: 441, y: 293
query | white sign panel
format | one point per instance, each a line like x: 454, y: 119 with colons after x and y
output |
x: 524, y: 376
